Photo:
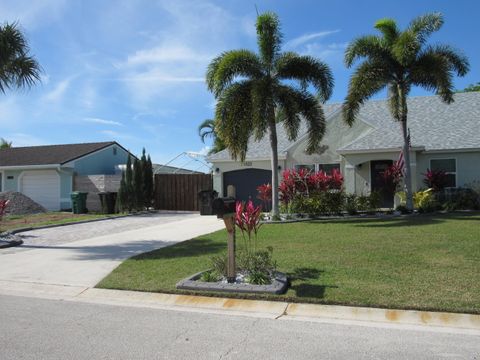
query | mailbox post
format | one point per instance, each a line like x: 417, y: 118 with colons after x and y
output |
x: 224, y: 208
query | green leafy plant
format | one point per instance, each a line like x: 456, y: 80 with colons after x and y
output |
x: 351, y: 204
x: 247, y: 218
x: 258, y: 278
x: 259, y: 264
x: 210, y: 276
x: 219, y: 264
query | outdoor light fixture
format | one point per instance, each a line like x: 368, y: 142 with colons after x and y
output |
x: 279, y: 167
x: 217, y: 170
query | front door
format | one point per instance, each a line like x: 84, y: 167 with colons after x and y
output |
x: 376, y: 170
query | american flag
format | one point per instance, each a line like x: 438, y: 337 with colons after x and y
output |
x: 401, y: 160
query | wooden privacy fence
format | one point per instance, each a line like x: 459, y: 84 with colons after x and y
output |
x: 180, y: 191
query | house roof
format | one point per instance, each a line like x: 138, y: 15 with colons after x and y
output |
x: 433, y: 125
x: 166, y: 169
x: 48, y: 154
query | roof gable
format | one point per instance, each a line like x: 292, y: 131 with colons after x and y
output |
x: 49, y: 154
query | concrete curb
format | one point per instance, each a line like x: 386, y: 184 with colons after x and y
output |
x: 441, y: 321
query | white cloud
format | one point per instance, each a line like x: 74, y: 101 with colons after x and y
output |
x: 56, y: 94
x: 306, y: 38
x: 31, y: 14
x: 23, y: 139
x: 102, y: 121
x: 165, y: 54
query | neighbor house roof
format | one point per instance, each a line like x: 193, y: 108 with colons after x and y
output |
x: 166, y: 169
x: 48, y: 154
x: 433, y: 125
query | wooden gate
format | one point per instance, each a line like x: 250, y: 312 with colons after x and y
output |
x: 180, y: 191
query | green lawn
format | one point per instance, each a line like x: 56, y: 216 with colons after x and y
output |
x: 422, y: 262
x: 13, y: 222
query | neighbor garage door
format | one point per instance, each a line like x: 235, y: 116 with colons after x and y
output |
x: 43, y: 187
x: 246, y: 182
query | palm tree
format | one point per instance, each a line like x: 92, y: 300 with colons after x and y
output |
x: 397, y: 60
x: 4, y: 144
x: 207, y: 130
x: 17, y: 68
x: 251, y: 89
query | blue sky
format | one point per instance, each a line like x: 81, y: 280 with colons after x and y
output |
x: 133, y: 71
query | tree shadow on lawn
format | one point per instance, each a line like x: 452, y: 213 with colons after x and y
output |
x: 189, y: 248
x: 305, y: 289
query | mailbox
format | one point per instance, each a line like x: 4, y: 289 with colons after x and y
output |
x: 222, y: 206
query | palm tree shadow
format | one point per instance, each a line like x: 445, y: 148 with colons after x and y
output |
x: 299, y: 282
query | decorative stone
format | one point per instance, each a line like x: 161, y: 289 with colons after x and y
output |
x: 278, y: 285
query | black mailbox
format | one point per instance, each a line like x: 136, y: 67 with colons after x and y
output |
x: 222, y: 206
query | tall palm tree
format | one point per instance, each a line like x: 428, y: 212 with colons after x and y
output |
x: 252, y: 88
x: 207, y: 130
x: 17, y: 68
x: 397, y: 60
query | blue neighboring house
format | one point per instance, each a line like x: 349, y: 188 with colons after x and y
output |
x: 46, y: 173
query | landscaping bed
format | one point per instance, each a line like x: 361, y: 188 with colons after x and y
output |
x: 425, y: 262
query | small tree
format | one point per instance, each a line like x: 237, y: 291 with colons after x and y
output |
x: 129, y: 185
x: 148, y: 183
x: 138, y: 185
x: 122, y: 200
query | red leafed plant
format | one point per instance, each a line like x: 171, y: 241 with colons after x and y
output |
x: 391, y: 177
x: 435, y: 179
x: 3, y: 208
x: 247, y: 218
x: 265, y: 194
x: 302, y: 182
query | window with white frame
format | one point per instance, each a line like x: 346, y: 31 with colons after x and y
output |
x: 450, y: 168
x: 310, y: 167
x: 328, y: 168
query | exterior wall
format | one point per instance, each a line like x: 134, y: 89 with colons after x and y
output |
x: 11, y: 184
x: 101, y: 162
x: 66, y: 188
x: 237, y: 165
x: 93, y: 184
x: 468, y: 166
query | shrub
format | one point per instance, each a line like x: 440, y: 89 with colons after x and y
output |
x: 369, y: 203
x: 435, y: 179
x: 3, y: 209
x: 265, y: 194
x: 351, y: 204
x: 391, y: 178
x: 219, y: 264
x: 257, y: 265
x: 210, y: 276
x: 462, y: 199
x: 403, y: 209
x: 425, y: 201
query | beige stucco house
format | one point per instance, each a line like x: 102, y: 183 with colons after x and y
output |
x: 442, y: 137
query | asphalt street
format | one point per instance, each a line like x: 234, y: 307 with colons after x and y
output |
x: 32, y: 328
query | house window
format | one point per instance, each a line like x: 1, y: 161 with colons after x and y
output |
x: 307, y: 167
x: 327, y: 168
x: 450, y: 168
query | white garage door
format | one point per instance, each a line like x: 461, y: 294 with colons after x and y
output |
x: 43, y: 187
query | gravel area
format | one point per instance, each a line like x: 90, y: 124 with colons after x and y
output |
x: 20, y: 204
x: 66, y: 234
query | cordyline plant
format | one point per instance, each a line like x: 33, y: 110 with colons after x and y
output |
x: 302, y: 182
x: 392, y: 177
x: 247, y: 218
x: 435, y: 179
x: 265, y: 194
x: 3, y: 208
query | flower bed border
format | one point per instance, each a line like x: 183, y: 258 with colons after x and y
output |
x: 278, y: 286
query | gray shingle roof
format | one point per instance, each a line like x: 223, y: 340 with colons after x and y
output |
x: 433, y: 124
x: 48, y: 154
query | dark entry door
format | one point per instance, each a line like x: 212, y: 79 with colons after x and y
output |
x: 246, y: 182
x: 376, y: 169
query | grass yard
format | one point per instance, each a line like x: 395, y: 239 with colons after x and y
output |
x: 423, y: 262
x: 13, y: 222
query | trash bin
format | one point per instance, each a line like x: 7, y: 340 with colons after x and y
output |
x: 205, y: 201
x: 108, y: 200
x: 79, y: 202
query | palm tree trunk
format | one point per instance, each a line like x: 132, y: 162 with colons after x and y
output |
x: 408, y: 170
x: 274, y: 146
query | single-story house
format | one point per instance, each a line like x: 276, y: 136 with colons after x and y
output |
x: 167, y: 169
x: 443, y: 137
x: 46, y: 173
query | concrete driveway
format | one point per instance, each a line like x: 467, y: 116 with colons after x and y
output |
x: 83, y: 254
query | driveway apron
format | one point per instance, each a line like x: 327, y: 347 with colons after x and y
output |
x: 83, y: 254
